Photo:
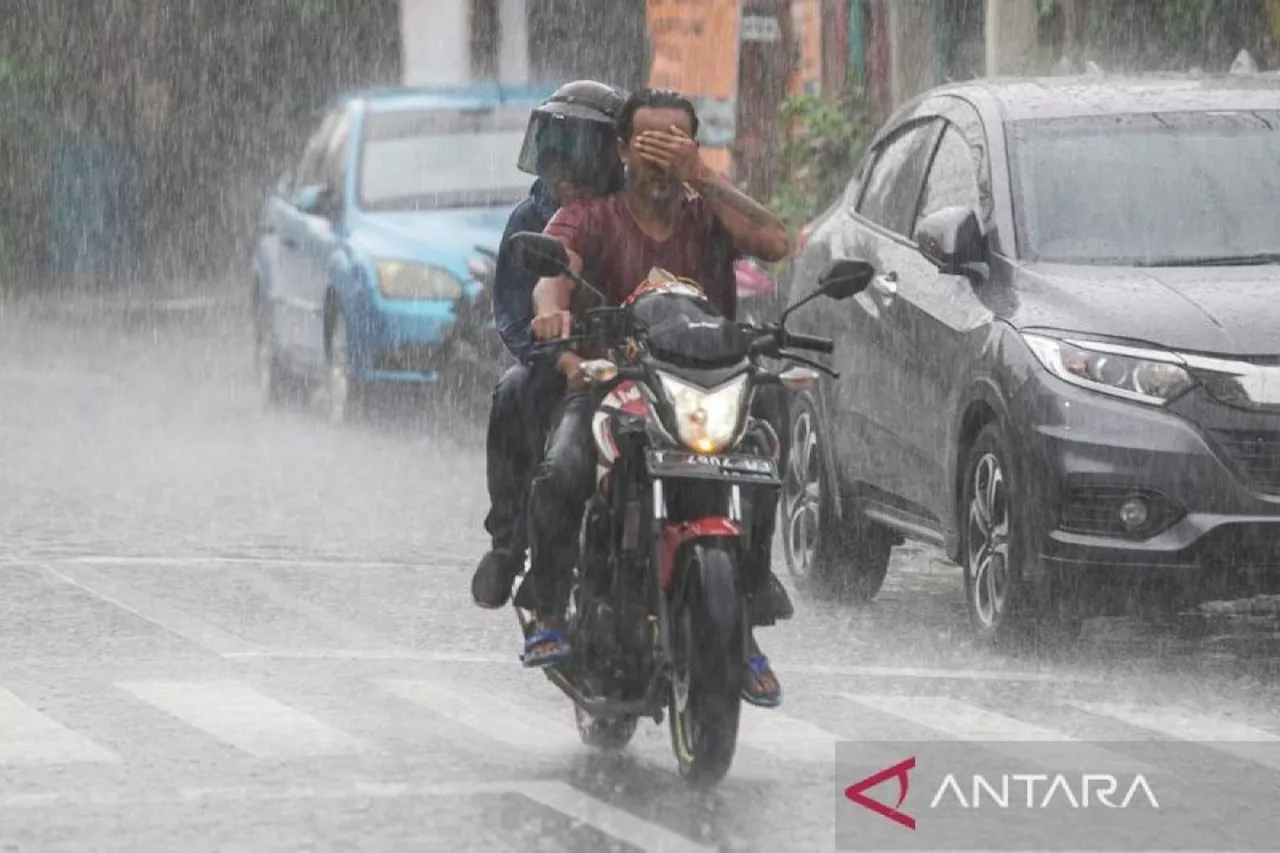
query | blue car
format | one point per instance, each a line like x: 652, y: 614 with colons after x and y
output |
x: 364, y: 267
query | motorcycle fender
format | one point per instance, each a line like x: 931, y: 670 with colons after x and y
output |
x: 675, y: 535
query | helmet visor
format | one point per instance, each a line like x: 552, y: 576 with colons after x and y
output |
x: 559, y: 148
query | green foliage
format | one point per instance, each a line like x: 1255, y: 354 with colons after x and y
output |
x: 824, y: 143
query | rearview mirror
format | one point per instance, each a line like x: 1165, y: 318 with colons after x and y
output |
x: 312, y: 200
x: 845, y: 279
x: 951, y: 238
x: 539, y: 254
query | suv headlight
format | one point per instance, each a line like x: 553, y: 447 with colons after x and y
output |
x: 705, y: 420
x: 1146, y: 376
x: 402, y: 280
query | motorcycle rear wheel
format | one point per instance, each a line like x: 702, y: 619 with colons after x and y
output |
x: 709, y: 643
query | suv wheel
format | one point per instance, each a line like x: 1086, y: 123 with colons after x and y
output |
x: 831, y: 559
x: 991, y: 553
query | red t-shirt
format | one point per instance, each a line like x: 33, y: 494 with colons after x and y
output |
x: 617, y: 255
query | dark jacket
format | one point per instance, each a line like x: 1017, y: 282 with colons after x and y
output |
x: 512, y: 285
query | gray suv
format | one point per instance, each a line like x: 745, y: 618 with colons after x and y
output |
x: 1066, y: 372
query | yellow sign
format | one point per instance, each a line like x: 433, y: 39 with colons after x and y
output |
x: 695, y: 52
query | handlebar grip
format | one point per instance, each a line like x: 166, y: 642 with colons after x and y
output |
x: 810, y: 343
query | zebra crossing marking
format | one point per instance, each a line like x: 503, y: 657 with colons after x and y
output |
x: 784, y: 736
x: 1219, y: 733
x: 246, y: 719
x: 558, y: 796
x: 165, y: 616
x: 949, y: 719
x: 29, y: 737
x: 517, y: 723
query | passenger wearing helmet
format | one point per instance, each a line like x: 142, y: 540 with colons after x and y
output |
x: 569, y: 146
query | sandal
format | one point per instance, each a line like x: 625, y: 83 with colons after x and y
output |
x: 757, y: 670
x: 555, y: 648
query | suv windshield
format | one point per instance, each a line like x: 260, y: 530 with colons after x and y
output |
x: 431, y: 159
x: 1148, y: 188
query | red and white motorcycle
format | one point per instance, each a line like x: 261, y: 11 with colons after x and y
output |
x: 658, y: 614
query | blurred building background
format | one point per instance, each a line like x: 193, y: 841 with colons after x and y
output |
x: 138, y: 137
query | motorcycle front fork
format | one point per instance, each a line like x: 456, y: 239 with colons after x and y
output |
x: 662, y: 615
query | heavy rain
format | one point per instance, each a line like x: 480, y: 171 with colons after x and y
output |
x: 299, y: 549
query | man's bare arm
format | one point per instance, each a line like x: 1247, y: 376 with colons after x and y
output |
x: 755, y: 229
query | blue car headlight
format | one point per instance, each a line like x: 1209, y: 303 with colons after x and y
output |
x: 403, y: 280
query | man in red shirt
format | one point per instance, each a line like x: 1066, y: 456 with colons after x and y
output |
x: 678, y: 214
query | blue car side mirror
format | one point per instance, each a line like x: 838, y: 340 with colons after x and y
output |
x: 313, y: 200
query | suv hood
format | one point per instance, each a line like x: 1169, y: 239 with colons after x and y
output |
x: 1212, y: 310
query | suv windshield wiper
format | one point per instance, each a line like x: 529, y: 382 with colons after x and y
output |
x: 1221, y: 261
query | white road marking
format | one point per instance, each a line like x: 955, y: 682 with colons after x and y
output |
x: 926, y: 672
x: 340, y: 629
x: 511, y: 658
x: 29, y: 737
x: 244, y: 718
x: 956, y: 720
x: 156, y: 612
x: 563, y: 798
x: 505, y: 718
x: 785, y: 737
x: 1228, y: 736
x: 949, y: 719
x: 314, y: 562
x: 622, y: 825
x: 376, y: 654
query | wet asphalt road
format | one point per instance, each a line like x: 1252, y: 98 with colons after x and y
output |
x: 227, y: 629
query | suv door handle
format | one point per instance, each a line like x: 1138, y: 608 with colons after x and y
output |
x: 886, y: 284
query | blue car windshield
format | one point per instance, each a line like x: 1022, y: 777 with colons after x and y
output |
x: 441, y: 158
x: 1148, y: 189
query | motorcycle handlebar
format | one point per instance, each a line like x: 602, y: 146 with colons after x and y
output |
x: 810, y: 343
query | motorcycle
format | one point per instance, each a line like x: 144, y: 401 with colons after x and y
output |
x: 658, y: 614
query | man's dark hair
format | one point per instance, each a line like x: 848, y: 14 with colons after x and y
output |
x: 654, y: 99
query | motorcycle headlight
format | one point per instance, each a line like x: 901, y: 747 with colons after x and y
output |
x: 1146, y: 376
x: 401, y: 280
x: 705, y: 420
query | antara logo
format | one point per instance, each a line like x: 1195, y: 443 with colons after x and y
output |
x: 1078, y: 792
x: 897, y: 771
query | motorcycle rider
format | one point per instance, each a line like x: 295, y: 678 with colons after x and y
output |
x: 570, y: 146
x: 675, y: 213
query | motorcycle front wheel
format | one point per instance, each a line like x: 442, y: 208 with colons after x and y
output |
x: 709, y: 642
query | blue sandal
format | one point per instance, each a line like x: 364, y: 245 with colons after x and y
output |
x: 758, y: 666
x: 560, y: 652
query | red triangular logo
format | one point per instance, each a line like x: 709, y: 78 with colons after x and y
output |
x: 899, y: 771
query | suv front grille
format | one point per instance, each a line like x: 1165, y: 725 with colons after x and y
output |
x: 1256, y: 454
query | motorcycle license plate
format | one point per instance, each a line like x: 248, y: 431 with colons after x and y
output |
x: 681, y: 463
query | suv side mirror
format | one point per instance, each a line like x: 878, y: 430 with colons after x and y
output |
x: 951, y: 238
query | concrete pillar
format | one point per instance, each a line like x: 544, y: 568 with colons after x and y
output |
x: 513, y: 57
x: 1010, y: 34
x: 435, y: 42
